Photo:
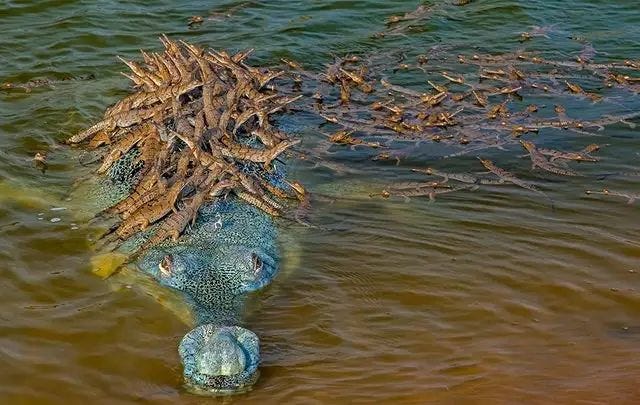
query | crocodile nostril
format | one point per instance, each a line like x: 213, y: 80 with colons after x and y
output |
x: 166, y: 266
x: 257, y: 263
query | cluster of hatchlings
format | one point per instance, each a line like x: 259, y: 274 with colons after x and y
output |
x: 196, y: 121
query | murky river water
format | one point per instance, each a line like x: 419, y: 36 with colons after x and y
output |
x: 482, y: 297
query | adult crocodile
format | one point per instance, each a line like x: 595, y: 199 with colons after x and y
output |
x: 189, y: 183
x: 230, y: 251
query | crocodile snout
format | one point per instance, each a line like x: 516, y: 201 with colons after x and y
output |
x: 220, y: 360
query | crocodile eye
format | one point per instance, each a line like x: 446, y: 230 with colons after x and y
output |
x: 166, y: 266
x: 257, y: 263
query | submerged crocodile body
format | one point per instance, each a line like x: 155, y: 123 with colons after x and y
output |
x: 228, y: 252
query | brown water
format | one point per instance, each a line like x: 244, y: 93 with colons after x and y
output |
x: 483, y: 297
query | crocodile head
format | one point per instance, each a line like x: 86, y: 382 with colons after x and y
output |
x: 230, y: 252
x: 211, y: 276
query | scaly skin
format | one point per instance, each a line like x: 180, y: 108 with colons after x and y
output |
x: 508, y: 177
x: 259, y: 203
x: 211, y: 90
x: 150, y: 184
x: 122, y: 119
x: 431, y: 190
x: 138, y: 197
x: 230, y: 252
x: 144, y: 191
x: 154, y: 80
x: 269, y: 136
x: 161, y: 95
x: 121, y: 147
x: 461, y: 177
x: 345, y: 138
x: 631, y: 198
x: 581, y: 156
x: 265, y: 156
x: 192, y: 185
x: 539, y: 160
x: 256, y: 107
x: 225, y: 358
x: 149, y: 213
x: 574, y: 88
x: 176, y: 223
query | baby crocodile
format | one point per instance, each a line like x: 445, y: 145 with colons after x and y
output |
x: 506, y: 176
x: 427, y: 189
x: 461, y: 177
x: 581, y: 156
x: 343, y: 137
x: 631, y: 198
x: 509, y: 177
x: 539, y: 160
x: 46, y: 82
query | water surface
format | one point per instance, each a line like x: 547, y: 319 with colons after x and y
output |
x: 484, y: 297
